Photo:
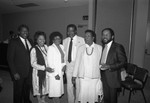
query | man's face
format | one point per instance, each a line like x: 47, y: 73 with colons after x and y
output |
x: 71, y: 32
x: 24, y: 32
x: 88, y: 38
x: 106, y: 37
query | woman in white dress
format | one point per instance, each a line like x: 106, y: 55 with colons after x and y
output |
x: 39, y: 63
x: 55, y: 57
x: 87, y: 69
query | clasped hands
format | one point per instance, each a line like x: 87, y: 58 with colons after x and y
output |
x: 105, y: 67
x: 50, y: 70
x: 16, y: 76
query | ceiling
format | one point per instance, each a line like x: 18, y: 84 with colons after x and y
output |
x: 9, y: 6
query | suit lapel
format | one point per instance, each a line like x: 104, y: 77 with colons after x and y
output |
x: 21, y: 43
x: 110, y: 52
x: 78, y: 42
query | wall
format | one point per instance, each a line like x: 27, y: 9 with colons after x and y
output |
x: 140, y: 30
x: 115, y: 14
x: 45, y: 20
x: 1, y: 28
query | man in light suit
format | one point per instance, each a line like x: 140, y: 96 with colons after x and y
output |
x: 113, y: 59
x: 87, y: 69
x: 18, y: 56
x: 71, y: 45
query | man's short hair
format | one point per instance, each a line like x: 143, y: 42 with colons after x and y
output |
x: 73, y: 26
x: 110, y: 30
x: 23, y: 26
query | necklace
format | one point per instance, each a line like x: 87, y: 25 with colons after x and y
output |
x: 90, y: 53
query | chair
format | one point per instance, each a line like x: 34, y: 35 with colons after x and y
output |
x: 130, y: 70
x: 137, y: 83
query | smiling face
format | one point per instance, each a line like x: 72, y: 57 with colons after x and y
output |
x: 106, y: 37
x: 57, y: 40
x: 24, y: 33
x: 89, y: 38
x: 71, y: 32
x: 41, y: 40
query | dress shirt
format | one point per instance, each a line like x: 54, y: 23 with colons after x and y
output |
x: 23, y: 41
x: 108, y: 47
x: 74, y: 48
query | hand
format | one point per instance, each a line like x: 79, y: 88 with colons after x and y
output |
x: 16, y: 76
x: 50, y: 70
x: 64, y: 69
x: 74, y: 80
x: 105, y: 67
x: 101, y: 97
x: 57, y: 77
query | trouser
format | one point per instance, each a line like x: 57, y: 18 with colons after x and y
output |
x: 110, y: 94
x: 72, y: 91
x: 21, y: 91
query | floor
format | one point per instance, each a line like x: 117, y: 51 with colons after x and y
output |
x: 7, y: 91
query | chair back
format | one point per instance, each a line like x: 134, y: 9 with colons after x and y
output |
x: 141, y: 75
x: 131, y: 68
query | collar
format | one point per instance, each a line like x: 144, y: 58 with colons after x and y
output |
x: 109, y: 44
x: 22, y: 39
x: 74, y: 38
x: 55, y: 45
x: 87, y: 46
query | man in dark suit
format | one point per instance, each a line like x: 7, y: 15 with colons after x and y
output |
x: 18, y: 56
x: 113, y: 59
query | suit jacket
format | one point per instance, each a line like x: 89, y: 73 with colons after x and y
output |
x: 79, y: 63
x: 79, y: 41
x: 117, y: 59
x: 18, y: 58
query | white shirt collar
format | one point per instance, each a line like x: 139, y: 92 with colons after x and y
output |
x: 90, y: 46
x: 21, y: 38
x: 74, y: 38
x: 109, y: 44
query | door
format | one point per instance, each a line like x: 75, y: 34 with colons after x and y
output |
x: 147, y: 49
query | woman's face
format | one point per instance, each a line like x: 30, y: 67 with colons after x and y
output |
x: 57, y: 40
x: 41, y: 40
x: 88, y: 38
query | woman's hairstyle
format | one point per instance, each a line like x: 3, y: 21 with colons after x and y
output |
x: 93, y: 34
x: 37, y: 34
x: 53, y: 35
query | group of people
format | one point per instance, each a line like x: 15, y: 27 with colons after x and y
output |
x: 92, y: 70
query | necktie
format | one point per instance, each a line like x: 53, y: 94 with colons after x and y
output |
x: 103, y: 60
x: 70, y: 51
x: 27, y: 47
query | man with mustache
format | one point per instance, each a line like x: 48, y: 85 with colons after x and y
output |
x: 113, y: 59
x: 19, y: 63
